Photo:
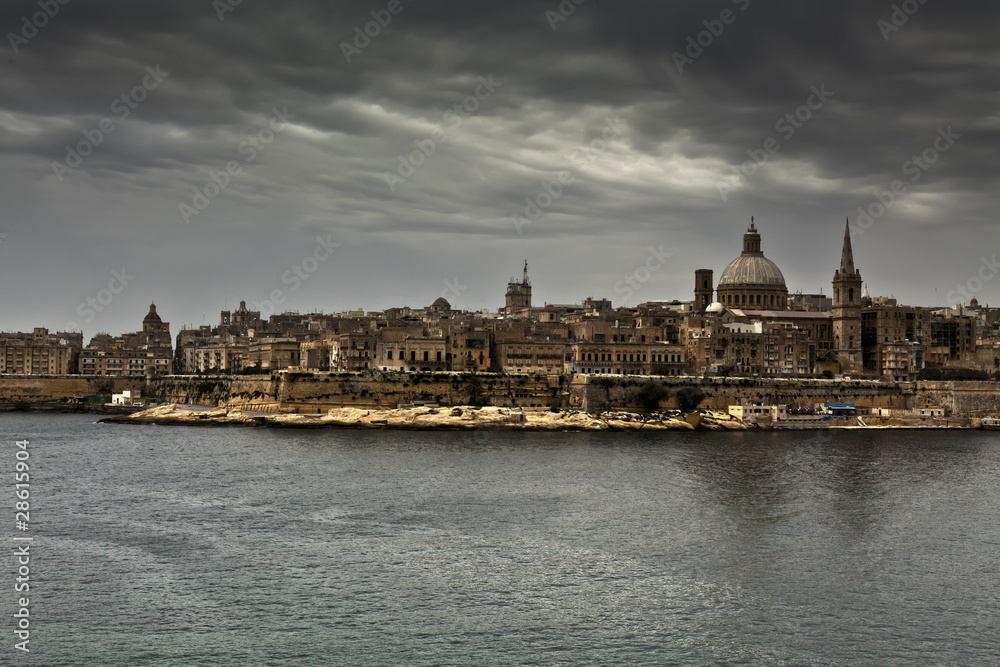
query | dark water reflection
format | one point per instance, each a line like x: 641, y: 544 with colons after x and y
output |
x: 161, y: 546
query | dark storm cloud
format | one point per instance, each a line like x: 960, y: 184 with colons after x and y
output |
x: 690, y: 122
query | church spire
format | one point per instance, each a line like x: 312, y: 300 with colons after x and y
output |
x: 847, y: 255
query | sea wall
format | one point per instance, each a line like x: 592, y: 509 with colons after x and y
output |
x: 16, y: 389
x: 970, y: 399
x: 596, y: 393
x: 316, y: 393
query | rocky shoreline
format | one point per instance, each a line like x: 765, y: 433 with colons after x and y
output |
x: 439, y: 418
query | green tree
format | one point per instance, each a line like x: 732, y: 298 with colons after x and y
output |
x: 650, y: 395
x: 689, y: 398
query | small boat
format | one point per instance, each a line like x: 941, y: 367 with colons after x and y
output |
x: 990, y: 424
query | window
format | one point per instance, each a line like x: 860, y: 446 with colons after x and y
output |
x: 388, y: 355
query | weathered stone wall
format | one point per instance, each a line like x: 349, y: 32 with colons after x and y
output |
x: 316, y: 393
x: 971, y: 399
x: 594, y: 394
x: 251, y: 392
x: 40, y: 389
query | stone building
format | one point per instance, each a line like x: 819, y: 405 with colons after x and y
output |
x: 40, y: 353
x: 240, y: 321
x: 143, y: 353
x: 625, y: 358
x: 531, y: 355
x: 923, y: 336
x: 273, y: 353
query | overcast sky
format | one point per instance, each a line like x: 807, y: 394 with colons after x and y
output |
x: 629, y: 125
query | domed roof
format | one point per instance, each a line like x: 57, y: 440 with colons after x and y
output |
x: 752, y: 270
x: 151, y: 316
x: 441, y: 302
x: 715, y: 307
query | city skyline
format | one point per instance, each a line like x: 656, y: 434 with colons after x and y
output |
x: 630, y: 284
x: 227, y: 145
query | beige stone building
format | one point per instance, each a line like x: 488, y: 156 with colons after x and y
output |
x: 143, y: 353
x: 275, y: 354
x: 625, y: 358
x: 40, y: 353
x: 531, y: 356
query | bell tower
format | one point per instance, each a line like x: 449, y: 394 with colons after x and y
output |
x: 518, y: 298
x: 847, y: 291
x: 704, y: 287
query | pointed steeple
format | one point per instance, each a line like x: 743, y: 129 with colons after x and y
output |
x: 847, y: 255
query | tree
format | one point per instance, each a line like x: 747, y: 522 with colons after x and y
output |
x: 689, y: 398
x: 475, y: 388
x: 650, y: 395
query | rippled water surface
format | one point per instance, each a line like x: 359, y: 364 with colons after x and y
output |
x: 211, y: 546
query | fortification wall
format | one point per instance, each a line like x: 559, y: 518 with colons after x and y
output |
x: 41, y: 389
x: 595, y: 393
x: 318, y: 392
x: 969, y: 399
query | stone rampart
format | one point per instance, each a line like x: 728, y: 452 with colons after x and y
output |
x: 312, y: 393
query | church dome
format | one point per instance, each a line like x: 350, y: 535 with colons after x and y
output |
x: 752, y: 270
x: 752, y: 280
x: 151, y: 316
